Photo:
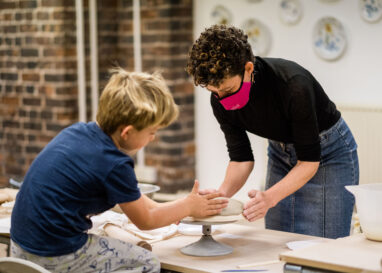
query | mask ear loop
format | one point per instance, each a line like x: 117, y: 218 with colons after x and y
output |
x: 252, y: 77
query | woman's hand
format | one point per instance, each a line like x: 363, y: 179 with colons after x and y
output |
x: 203, y: 205
x: 258, y: 206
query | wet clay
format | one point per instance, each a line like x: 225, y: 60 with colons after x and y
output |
x: 234, y: 207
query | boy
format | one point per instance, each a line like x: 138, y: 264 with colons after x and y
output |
x: 86, y: 170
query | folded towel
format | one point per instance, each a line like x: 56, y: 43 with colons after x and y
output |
x: 122, y: 222
x: 7, y: 194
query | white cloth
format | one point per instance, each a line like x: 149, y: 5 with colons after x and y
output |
x: 121, y: 220
x: 99, y: 221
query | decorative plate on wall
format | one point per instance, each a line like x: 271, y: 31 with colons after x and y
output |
x: 290, y: 11
x: 221, y: 15
x: 370, y: 10
x: 329, y: 38
x: 259, y: 36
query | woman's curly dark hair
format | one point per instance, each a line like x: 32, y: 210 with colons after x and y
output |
x: 220, y: 52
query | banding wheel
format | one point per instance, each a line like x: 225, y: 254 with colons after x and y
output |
x: 206, y: 246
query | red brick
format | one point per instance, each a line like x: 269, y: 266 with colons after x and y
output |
x: 31, y: 77
x: 8, y: 17
x: 28, y: 28
x: 43, y: 15
x: 57, y: 3
x: 27, y: 4
x: 46, y: 90
x: 59, y: 52
x: 15, y: 101
x: 190, y: 149
x: 7, y: 5
x: 32, y: 101
x: 3, y: 181
x: 184, y: 87
x: 64, y: 15
x: 149, y: 14
x: 44, y: 138
x: 66, y: 116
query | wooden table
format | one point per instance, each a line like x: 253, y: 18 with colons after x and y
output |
x: 251, y: 242
x: 352, y: 254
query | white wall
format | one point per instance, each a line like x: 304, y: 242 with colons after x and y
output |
x: 355, y: 78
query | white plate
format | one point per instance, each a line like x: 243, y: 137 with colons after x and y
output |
x: 370, y: 10
x: 221, y: 15
x: 259, y: 36
x: 290, y: 11
x: 187, y: 229
x: 216, y: 219
x: 329, y: 38
x: 5, y: 225
x: 294, y: 245
x: 148, y: 188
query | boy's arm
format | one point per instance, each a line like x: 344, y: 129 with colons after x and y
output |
x: 149, y: 202
x: 148, y: 214
x: 153, y: 204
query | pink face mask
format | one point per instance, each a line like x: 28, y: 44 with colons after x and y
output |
x: 238, y: 99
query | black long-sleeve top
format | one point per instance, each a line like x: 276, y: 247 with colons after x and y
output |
x: 286, y: 104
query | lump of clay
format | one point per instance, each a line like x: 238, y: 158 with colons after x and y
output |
x: 231, y: 213
x: 234, y: 207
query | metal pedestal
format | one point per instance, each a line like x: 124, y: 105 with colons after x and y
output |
x: 206, y: 246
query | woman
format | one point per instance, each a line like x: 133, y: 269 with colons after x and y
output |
x: 312, y: 154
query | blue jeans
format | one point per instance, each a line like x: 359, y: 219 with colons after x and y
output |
x: 322, y: 207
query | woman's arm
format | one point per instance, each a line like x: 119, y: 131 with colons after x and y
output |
x: 261, y: 202
x: 236, y: 175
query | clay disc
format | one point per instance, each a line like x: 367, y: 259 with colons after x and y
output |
x: 231, y: 213
x: 234, y: 207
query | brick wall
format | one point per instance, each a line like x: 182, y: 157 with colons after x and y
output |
x: 38, y: 85
x: 166, y: 38
x: 38, y: 79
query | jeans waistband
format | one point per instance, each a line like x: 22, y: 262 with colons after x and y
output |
x: 324, y: 133
x: 336, y: 125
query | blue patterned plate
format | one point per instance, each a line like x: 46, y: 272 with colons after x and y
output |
x: 370, y: 10
x: 221, y: 15
x: 259, y: 36
x: 329, y: 38
x: 290, y: 11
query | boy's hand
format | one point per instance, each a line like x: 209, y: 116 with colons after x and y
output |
x: 205, y: 205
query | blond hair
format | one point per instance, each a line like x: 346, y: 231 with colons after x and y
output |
x: 135, y: 98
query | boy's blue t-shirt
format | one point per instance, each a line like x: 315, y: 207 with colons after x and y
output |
x: 78, y: 174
